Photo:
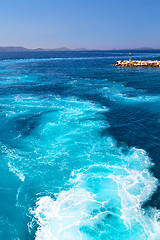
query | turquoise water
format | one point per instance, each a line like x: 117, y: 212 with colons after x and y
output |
x: 79, y: 146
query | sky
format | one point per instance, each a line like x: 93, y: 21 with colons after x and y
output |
x: 92, y: 24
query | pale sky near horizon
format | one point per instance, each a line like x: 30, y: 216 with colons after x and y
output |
x: 93, y: 24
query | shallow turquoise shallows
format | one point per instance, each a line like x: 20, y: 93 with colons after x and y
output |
x: 80, y: 146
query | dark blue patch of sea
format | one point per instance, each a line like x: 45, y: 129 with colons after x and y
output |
x: 79, y: 146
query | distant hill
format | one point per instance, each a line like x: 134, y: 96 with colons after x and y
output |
x: 61, y: 49
x: 13, y: 49
x: 130, y: 49
x: 144, y: 48
x: 23, y: 49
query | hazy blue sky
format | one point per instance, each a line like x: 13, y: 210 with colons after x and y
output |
x: 102, y: 24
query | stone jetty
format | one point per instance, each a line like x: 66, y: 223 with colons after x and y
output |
x: 140, y: 63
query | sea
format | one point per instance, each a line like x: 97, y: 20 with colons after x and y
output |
x: 80, y: 146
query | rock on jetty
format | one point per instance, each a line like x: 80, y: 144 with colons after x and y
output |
x: 140, y: 63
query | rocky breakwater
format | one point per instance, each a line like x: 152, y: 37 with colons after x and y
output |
x: 140, y: 63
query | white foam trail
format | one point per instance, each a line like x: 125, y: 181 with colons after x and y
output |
x: 121, y: 93
x: 16, y: 171
x: 30, y: 60
x: 108, y: 187
x: 121, y: 190
x: 151, y: 99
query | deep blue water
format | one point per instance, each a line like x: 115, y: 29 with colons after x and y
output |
x: 79, y: 146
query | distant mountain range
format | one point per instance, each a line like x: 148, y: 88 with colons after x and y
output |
x: 23, y: 49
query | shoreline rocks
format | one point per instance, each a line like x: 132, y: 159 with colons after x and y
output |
x: 140, y: 63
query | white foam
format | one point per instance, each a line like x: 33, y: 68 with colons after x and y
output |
x: 16, y: 171
x: 141, y: 98
x: 119, y: 92
x: 120, y: 182
x: 61, y: 219
x: 31, y: 60
x: 123, y: 187
x: 106, y: 177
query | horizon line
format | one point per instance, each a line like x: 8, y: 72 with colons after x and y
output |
x: 25, y: 49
